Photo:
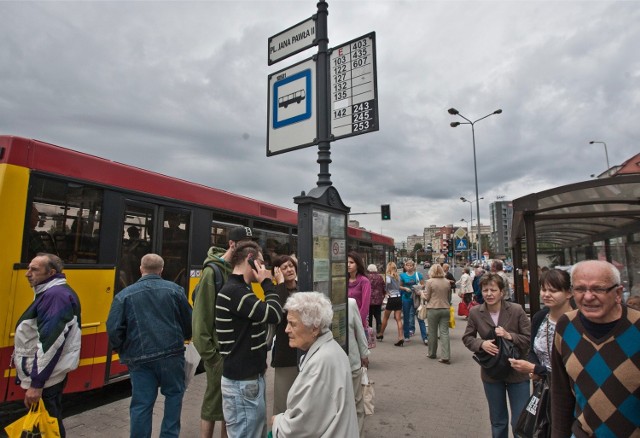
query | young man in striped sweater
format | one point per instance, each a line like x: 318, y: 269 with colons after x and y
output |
x: 241, y: 325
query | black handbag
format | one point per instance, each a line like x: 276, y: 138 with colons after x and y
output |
x: 535, y: 419
x: 498, y: 367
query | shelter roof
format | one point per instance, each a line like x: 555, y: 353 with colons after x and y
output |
x: 581, y: 213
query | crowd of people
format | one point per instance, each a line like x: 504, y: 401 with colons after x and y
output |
x: 585, y: 343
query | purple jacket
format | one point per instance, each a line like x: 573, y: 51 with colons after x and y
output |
x: 377, y: 288
x: 360, y: 290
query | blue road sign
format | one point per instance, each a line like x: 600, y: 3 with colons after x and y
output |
x: 461, y: 245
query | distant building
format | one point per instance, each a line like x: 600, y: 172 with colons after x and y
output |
x: 413, y: 240
x: 429, y: 236
x: 501, y: 222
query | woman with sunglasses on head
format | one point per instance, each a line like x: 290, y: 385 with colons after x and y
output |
x: 500, y: 318
x: 555, y: 291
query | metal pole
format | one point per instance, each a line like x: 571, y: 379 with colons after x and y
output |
x: 322, y: 85
x: 606, y: 154
x: 469, y: 227
x: 475, y: 170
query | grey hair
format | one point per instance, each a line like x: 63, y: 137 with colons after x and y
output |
x: 614, y: 272
x: 53, y: 261
x: 314, y: 308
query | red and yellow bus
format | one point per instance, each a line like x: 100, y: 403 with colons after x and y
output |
x: 100, y: 217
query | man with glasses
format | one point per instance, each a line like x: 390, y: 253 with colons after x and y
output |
x: 595, y: 379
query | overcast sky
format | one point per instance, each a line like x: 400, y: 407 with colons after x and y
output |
x: 180, y: 88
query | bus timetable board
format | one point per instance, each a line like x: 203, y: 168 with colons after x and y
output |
x: 353, y: 88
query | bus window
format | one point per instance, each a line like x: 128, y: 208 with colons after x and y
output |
x: 175, y: 246
x: 221, y: 224
x: 273, y: 244
x: 64, y: 219
x: 136, y: 242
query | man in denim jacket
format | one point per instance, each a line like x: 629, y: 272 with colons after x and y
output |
x: 147, y: 326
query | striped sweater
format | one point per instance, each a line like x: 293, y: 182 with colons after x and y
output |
x: 595, y: 386
x: 241, y: 326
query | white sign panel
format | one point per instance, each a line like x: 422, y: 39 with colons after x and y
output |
x: 293, y: 40
x: 353, y: 88
x: 292, y: 121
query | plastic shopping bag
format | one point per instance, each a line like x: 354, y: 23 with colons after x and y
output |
x: 191, y: 361
x: 368, y: 393
x: 463, y: 310
x: 37, y: 423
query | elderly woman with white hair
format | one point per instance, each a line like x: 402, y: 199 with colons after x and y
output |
x: 320, y: 402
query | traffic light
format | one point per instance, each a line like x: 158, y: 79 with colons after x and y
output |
x: 450, y: 247
x: 385, y: 212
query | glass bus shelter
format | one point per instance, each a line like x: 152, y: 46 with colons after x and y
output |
x: 595, y: 219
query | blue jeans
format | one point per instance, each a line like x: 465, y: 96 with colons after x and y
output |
x: 408, y: 317
x: 423, y: 329
x: 498, y: 414
x: 244, y: 407
x: 168, y: 374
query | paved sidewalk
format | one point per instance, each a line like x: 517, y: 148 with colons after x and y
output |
x: 415, y: 396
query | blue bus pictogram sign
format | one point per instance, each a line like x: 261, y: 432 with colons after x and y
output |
x: 292, y: 99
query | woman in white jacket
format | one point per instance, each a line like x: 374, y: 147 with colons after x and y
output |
x: 320, y: 402
x: 465, y: 286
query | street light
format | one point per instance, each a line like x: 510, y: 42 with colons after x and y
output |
x: 606, y: 154
x: 470, y: 244
x: 463, y: 199
x: 455, y: 112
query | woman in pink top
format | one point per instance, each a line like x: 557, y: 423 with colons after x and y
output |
x: 359, y: 285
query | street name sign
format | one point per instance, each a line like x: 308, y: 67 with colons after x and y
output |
x: 297, y: 38
x: 353, y: 88
x: 291, y: 108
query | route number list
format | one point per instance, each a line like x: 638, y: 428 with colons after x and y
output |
x: 354, y: 104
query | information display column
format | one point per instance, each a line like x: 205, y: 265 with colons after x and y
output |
x: 329, y: 267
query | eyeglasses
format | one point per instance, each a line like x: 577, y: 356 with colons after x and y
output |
x: 594, y: 290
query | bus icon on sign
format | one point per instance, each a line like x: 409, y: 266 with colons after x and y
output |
x: 296, y: 97
x: 292, y: 99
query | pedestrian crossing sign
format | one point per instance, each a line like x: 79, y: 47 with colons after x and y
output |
x: 461, y: 245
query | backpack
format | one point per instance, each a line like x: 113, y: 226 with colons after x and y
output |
x: 219, y: 279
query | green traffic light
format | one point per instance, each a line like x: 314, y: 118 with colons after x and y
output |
x: 385, y: 212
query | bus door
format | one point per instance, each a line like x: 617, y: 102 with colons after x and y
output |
x: 136, y: 241
x: 175, y: 245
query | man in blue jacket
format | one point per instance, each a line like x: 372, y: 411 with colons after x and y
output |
x: 48, y: 336
x: 147, y: 326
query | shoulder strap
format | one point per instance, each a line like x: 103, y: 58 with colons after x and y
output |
x: 219, y: 279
